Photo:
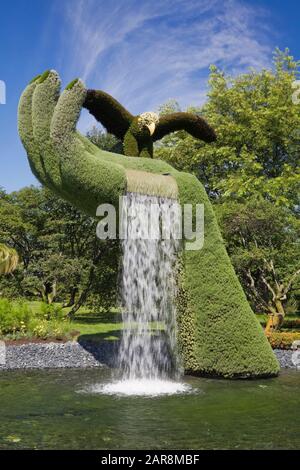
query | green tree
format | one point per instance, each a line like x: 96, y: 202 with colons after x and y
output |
x: 263, y: 241
x: 258, y: 129
x: 62, y: 258
x: 105, y: 141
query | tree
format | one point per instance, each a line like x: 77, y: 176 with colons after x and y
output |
x: 21, y: 218
x: 264, y: 244
x: 257, y: 125
x: 255, y: 158
x: 62, y: 258
x: 105, y: 141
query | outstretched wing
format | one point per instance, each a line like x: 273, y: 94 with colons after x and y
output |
x: 112, y: 115
x: 191, y: 123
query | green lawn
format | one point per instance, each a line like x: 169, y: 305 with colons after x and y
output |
x: 89, y: 325
x: 96, y: 327
x: 93, y: 326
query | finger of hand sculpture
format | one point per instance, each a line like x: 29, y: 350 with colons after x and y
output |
x: 139, y: 132
x: 25, y: 128
x: 44, y: 100
x: 218, y: 332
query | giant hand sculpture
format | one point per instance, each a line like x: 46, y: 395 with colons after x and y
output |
x: 218, y: 332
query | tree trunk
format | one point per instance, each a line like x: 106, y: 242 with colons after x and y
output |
x: 83, y: 296
x: 71, y: 302
x: 274, y: 322
x: 53, y: 293
x: 43, y: 292
x: 276, y: 317
x: 79, y: 303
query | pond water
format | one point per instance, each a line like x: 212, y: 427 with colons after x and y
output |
x: 56, y: 410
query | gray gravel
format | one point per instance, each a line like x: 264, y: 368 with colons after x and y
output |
x: 59, y: 355
x: 79, y: 355
x: 284, y: 357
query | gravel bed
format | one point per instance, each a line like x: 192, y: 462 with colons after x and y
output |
x: 79, y: 355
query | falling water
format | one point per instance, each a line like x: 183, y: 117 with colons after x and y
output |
x: 148, y: 358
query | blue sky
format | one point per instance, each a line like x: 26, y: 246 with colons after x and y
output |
x: 143, y: 52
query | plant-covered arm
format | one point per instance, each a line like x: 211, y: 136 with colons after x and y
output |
x: 112, y: 115
x: 67, y: 162
x: 191, y: 123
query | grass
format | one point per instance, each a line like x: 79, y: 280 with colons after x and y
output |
x: 96, y: 327
x: 93, y: 326
x: 86, y: 326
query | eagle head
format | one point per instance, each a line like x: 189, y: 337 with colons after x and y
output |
x: 148, y: 120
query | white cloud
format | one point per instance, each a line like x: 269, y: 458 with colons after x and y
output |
x: 144, y: 53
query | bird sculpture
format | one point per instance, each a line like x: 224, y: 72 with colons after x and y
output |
x: 139, y: 132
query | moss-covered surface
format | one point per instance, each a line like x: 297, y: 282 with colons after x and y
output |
x: 191, y: 123
x: 138, y: 141
x: 218, y: 332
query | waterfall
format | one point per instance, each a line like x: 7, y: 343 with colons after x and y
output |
x: 148, y: 287
x: 148, y: 359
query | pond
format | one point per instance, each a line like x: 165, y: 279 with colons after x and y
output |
x: 55, y: 410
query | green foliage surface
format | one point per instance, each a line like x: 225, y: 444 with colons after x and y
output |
x: 263, y: 243
x: 62, y: 260
x: 218, y: 331
x: 257, y: 125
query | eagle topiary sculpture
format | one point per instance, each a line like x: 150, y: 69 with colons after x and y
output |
x: 139, y: 132
x: 218, y: 333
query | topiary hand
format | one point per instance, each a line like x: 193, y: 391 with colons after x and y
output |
x: 68, y: 163
x: 217, y: 331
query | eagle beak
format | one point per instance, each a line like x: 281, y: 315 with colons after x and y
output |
x: 151, y: 128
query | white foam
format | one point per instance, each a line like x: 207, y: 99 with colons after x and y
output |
x: 142, y: 387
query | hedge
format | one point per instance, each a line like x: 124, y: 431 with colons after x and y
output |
x: 283, y: 340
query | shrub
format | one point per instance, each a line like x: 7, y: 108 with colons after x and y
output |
x: 283, y: 340
x: 54, y: 329
x: 292, y: 324
x: 14, y: 317
x: 288, y: 323
x: 50, y: 312
x: 17, y: 320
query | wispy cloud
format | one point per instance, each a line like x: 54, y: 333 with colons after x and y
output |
x: 145, y: 52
